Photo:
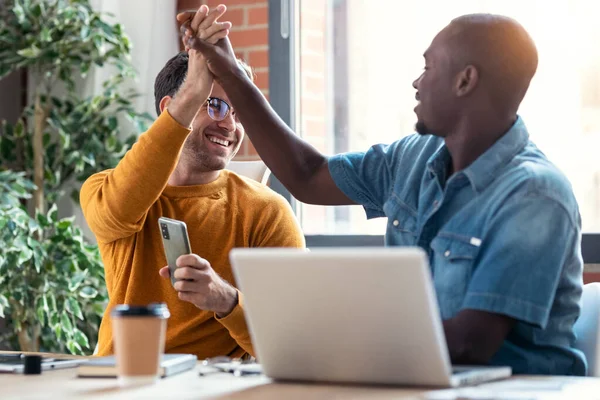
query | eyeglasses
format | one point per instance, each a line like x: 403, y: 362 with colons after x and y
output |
x: 217, y: 108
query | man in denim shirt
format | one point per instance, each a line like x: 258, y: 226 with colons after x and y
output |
x: 499, y: 221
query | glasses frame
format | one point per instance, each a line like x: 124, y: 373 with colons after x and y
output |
x: 229, y: 108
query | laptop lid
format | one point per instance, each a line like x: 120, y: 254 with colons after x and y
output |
x: 362, y: 315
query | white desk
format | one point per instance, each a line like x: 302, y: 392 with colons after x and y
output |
x: 63, y: 384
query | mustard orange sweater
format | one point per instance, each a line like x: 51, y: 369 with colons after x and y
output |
x: 122, y: 207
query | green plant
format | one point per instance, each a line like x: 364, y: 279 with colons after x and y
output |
x: 52, y: 288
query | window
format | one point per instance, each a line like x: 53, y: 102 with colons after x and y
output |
x: 356, y: 61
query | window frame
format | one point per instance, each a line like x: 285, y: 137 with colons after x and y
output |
x: 283, y: 93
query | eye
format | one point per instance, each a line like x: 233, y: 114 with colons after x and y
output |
x: 217, y: 109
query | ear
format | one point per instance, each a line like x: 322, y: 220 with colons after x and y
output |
x: 164, y: 102
x: 466, y: 81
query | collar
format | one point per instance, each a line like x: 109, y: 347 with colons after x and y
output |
x: 484, y: 169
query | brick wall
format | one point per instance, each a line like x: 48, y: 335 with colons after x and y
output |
x: 250, y: 40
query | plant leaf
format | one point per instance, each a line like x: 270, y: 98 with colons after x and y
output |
x: 88, y: 292
x: 76, y: 280
x: 66, y: 324
x: 25, y: 255
x: 73, y: 307
x: 81, y: 338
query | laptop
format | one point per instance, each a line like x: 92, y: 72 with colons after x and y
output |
x: 348, y: 315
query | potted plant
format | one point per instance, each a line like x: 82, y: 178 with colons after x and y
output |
x: 52, y: 289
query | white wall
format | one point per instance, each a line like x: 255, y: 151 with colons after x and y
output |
x: 151, y: 26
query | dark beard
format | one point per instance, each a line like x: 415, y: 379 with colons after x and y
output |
x: 421, y: 128
x: 196, y: 155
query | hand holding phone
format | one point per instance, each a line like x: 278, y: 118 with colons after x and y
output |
x: 175, y: 242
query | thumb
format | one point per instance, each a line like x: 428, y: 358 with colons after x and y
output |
x: 164, y: 272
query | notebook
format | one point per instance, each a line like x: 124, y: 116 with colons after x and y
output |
x: 105, y: 367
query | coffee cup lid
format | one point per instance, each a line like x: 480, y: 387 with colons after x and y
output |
x: 151, y: 310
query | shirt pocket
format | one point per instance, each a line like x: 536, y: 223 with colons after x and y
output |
x: 401, y: 225
x: 453, y: 259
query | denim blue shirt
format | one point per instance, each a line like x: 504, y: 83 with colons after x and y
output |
x: 503, y: 236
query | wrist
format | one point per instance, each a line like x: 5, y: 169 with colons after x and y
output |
x: 192, y: 92
x: 233, y: 76
x: 231, y: 301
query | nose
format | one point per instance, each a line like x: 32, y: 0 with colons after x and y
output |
x: 415, y: 82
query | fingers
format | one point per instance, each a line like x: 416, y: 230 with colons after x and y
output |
x: 200, y: 16
x: 191, y: 287
x: 192, y: 260
x: 217, y: 36
x: 186, y: 15
x: 211, y: 18
x: 189, y: 274
x: 164, y: 272
x: 217, y: 27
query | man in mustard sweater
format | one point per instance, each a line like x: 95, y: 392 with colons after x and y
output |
x: 176, y: 170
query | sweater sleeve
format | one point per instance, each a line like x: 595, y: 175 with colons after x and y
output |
x: 235, y: 323
x: 115, y: 202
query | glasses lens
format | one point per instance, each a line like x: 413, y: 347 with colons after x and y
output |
x: 217, y: 109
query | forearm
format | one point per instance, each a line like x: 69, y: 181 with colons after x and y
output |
x: 293, y: 161
x: 473, y: 336
x: 184, y: 106
x: 114, y: 203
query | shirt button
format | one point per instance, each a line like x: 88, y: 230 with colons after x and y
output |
x: 435, y: 203
x: 447, y: 253
x: 396, y: 223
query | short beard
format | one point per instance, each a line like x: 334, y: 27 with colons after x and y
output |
x: 421, y: 128
x: 197, y: 158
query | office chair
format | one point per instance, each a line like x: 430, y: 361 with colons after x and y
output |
x: 587, y: 327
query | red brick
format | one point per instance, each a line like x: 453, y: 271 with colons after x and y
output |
x: 241, y: 54
x: 258, y: 58
x: 235, y: 16
x: 249, y: 37
x: 258, y: 16
x: 262, y: 80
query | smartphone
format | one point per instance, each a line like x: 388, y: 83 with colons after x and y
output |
x: 175, y: 242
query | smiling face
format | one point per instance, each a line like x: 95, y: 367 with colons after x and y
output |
x: 212, y: 144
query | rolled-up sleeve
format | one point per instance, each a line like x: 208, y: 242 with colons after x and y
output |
x: 367, y: 177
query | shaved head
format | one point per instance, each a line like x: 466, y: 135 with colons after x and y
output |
x: 477, y: 70
x: 501, y: 50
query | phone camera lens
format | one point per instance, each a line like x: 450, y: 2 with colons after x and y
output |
x: 165, y: 231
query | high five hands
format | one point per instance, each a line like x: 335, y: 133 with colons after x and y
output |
x: 201, y: 31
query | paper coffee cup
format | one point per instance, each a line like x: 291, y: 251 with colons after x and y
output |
x: 139, y: 341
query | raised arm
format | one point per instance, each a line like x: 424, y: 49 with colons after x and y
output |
x: 115, y: 202
x: 301, y: 168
